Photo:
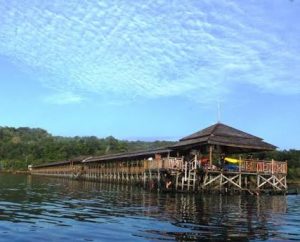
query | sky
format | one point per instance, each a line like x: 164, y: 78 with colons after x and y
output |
x: 151, y: 70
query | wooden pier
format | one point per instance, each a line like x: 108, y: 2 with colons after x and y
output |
x: 194, y: 164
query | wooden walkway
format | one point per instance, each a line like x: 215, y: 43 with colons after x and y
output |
x: 176, y: 174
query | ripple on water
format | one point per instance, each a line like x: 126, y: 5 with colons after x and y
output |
x: 39, y: 208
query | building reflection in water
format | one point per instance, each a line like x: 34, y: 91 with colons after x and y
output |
x: 193, y: 216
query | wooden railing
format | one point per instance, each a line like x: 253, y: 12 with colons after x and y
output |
x: 172, y: 163
x: 169, y: 163
x: 261, y: 166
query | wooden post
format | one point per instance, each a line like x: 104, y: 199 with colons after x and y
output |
x: 144, y: 179
x: 221, y: 181
x: 158, y: 179
x: 188, y: 180
x: 194, y: 181
x: 210, y: 155
x: 285, y: 184
x: 177, y: 177
x: 185, y: 170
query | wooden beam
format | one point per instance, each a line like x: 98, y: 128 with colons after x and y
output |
x: 212, y: 180
x: 231, y: 180
x: 273, y: 184
x: 210, y: 155
x: 280, y: 181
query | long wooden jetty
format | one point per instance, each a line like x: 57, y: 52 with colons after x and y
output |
x: 215, y: 159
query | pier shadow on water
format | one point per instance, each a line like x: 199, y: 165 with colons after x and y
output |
x: 34, y: 208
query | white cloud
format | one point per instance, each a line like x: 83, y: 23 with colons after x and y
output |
x: 63, y: 98
x: 112, y: 48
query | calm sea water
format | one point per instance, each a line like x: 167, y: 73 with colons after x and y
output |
x: 36, y: 208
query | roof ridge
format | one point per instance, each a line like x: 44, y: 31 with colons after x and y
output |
x: 243, y: 132
x: 220, y: 129
x: 214, y: 128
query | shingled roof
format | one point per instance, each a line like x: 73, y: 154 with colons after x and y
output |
x: 224, y: 135
x: 110, y: 157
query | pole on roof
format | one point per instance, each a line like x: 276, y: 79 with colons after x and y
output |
x: 219, y: 112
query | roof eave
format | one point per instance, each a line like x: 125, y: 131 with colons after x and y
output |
x: 253, y: 147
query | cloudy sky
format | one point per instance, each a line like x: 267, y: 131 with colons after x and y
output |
x: 151, y: 69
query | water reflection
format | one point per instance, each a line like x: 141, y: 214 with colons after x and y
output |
x: 40, y: 205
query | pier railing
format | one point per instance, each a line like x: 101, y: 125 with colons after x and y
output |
x: 171, y: 163
x: 255, y: 166
x: 261, y: 166
x: 246, y: 166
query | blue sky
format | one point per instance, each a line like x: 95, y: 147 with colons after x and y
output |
x: 151, y: 69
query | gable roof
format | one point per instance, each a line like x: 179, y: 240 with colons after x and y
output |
x: 224, y: 135
x: 220, y: 129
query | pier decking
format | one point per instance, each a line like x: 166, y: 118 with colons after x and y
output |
x: 195, y: 163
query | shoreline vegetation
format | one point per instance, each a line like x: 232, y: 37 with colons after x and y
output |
x: 20, y: 147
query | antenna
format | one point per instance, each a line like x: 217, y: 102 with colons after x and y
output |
x: 219, y: 112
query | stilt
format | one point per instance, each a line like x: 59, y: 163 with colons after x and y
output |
x: 177, y: 178
x: 144, y: 179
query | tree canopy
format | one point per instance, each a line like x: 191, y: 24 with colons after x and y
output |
x: 20, y: 147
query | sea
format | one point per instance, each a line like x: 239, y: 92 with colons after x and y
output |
x: 38, y: 208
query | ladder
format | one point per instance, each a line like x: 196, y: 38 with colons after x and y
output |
x: 189, y: 183
x: 188, y: 180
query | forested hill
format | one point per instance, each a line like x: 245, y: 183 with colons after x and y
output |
x: 20, y: 147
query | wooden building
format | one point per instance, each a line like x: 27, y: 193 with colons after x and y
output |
x: 215, y: 159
